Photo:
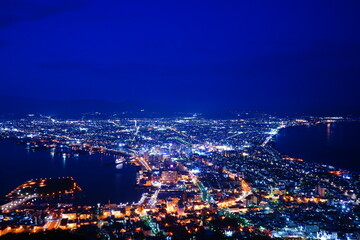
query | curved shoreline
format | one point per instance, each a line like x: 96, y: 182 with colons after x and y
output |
x: 300, y: 154
x: 81, y: 168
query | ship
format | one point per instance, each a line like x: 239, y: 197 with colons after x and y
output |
x: 120, y: 160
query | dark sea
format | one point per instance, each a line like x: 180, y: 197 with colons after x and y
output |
x: 336, y: 144
x: 96, y: 174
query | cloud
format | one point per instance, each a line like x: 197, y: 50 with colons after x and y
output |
x: 13, y: 11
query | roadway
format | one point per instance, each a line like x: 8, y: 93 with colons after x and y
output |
x: 16, y: 203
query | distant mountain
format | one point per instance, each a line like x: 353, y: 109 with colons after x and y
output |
x: 76, y: 107
x: 19, y: 105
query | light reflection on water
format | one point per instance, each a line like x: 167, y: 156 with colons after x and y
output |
x: 328, y: 131
x: 331, y: 143
x: 96, y: 174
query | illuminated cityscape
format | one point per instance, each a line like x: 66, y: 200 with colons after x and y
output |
x: 200, y: 178
x: 179, y: 120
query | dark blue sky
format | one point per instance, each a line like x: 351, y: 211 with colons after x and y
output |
x: 190, y: 55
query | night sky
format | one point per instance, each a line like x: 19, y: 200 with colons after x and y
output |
x: 295, y: 56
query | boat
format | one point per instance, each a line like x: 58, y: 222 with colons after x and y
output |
x: 120, y: 160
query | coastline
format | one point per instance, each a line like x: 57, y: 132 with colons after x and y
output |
x: 280, y: 142
x: 107, y: 180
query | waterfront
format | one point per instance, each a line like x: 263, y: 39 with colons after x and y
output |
x: 96, y: 174
x: 195, y: 174
x: 332, y: 143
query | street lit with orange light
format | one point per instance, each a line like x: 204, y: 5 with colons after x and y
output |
x: 196, y: 176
